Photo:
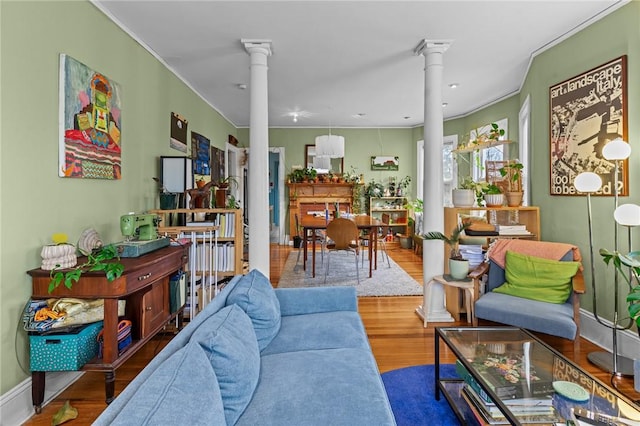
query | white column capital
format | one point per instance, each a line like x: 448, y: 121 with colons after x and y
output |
x: 425, y: 46
x: 257, y: 46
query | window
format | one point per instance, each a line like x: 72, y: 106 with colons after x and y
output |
x: 480, y: 157
x: 449, y: 168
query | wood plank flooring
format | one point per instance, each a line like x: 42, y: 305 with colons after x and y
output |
x: 395, y: 333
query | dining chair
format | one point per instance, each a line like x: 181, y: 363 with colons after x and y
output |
x: 318, y: 235
x: 381, y: 237
x: 342, y: 235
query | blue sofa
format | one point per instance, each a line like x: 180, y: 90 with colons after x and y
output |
x: 259, y: 356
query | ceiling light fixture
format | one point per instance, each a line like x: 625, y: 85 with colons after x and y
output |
x: 295, y: 117
x: 444, y: 104
x: 454, y: 85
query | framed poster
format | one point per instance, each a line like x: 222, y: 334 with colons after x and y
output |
x: 587, y: 111
x: 382, y: 162
x: 200, y: 154
x: 90, y: 117
x: 178, y: 138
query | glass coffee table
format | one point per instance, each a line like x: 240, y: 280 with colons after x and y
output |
x: 509, y: 376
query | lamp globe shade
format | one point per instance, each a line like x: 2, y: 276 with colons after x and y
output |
x: 587, y: 182
x: 617, y: 149
x: 627, y: 215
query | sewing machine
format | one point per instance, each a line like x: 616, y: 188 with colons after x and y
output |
x: 141, y: 235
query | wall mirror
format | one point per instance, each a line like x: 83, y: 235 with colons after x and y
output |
x: 322, y: 165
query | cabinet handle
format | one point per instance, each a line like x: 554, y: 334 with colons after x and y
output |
x: 144, y: 277
x: 148, y: 308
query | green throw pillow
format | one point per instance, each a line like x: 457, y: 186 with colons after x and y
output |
x: 537, y: 278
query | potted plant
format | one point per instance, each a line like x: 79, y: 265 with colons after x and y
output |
x: 296, y: 175
x: 403, y: 186
x: 493, y: 196
x: 628, y: 267
x: 310, y: 174
x: 512, y: 172
x: 372, y: 190
x: 98, y: 260
x: 168, y: 200
x: 465, y: 194
x: 458, y: 266
x: 222, y: 185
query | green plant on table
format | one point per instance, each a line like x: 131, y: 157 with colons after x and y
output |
x: 97, y: 261
x: 492, y: 188
x: 628, y: 267
x: 453, y: 241
x: 513, y: 172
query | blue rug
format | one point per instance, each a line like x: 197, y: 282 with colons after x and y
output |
x: 412, y: 399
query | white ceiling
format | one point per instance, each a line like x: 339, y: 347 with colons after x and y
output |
x: 334, y: 60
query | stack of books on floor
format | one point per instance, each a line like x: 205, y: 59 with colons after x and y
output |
x: 535, y: 410
x: 515, y: 230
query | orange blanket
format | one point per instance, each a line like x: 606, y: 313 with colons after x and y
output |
x: 545, y: 249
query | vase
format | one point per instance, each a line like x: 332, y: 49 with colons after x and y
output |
x: 221, y: 198
x: 514, y: 199
x: 168, y: 200
x: 458, y: 269
x: 463, y: 197
x: 494, y: 200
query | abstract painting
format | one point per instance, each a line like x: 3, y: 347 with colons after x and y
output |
x: 90, y: 123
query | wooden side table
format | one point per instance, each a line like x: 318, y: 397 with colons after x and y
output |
x: 469, y: 294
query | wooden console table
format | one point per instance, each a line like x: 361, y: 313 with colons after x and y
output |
x: 144, y: 285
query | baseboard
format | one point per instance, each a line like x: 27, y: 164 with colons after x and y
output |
x: 590, y: 329
x: 16, y: 406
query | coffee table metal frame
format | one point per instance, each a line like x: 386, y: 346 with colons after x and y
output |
x: 442, y: 385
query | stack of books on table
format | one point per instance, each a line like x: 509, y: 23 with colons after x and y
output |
x: 530, y: 409
x: 512, y: 230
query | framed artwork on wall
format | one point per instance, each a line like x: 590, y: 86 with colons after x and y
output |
x: 586, y: 112
x: 178, y: 138
x: 89, y: 143
x: 385, y: 162
x: 200, y: 154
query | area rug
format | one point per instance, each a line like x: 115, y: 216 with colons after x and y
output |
x: 412, y: 399
x: 385, y: 281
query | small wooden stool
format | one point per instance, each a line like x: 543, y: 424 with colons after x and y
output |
x: 466, y: 285
x: 417, y: 244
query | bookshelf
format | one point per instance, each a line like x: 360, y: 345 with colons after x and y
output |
x: 216, y: 248
x: 395, y: 207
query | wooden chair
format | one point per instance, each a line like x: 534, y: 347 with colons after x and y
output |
x: 319, y: 236
x: 343, y: 236
x: 561, y: 320
x: 382, y: 239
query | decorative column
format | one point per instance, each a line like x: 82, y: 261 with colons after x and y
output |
x: 433, y: 302
x: 259, y: 50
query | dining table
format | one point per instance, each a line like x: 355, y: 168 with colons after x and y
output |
x: 312, y: 223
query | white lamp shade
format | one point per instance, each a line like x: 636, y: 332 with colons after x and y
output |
x: 331, y: 146
x: 587, y: 182
x: 617, y: 149
x: 627, y: 215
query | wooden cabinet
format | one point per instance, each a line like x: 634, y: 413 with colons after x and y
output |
x: 309, y: 197
x: 144, y: 285
x: 396, y: 210
x: 216, y: 249
x: 528, y: 216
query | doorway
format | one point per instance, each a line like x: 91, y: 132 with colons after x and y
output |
x: 277, y: 234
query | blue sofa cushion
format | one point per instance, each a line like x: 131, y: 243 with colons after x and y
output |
x: 230, y: 344
x: 183, y: 384
x: 327, y: 330
x: 550, y: 318
x: 319, y: 387
x: 255, y: 295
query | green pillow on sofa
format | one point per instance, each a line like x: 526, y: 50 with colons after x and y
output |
x: 537, y: 278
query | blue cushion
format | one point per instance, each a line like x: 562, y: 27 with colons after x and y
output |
x: 183, y: 384
x: 230, y: 343
x: 255, y: 295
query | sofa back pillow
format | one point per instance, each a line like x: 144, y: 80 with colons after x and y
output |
x: 255, y: 295
x: 231, y: 346
x: 183, y: 384
x: 537, y: 278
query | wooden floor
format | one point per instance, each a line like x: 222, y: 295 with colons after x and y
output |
x: 395, y: 333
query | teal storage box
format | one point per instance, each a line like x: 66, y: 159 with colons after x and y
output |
x: 65, y: 351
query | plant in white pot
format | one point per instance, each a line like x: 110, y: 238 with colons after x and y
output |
x: 458, y: 266
x: 465, y: 194
x: 493, y: 196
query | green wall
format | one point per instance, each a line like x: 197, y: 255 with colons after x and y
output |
x: 37, y: 203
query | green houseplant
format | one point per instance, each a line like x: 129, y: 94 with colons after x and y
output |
x: 493, y: 196
x: 458, y: 266
x: 512, y: 172
x: 628, y: 267
x: 99, y: 260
